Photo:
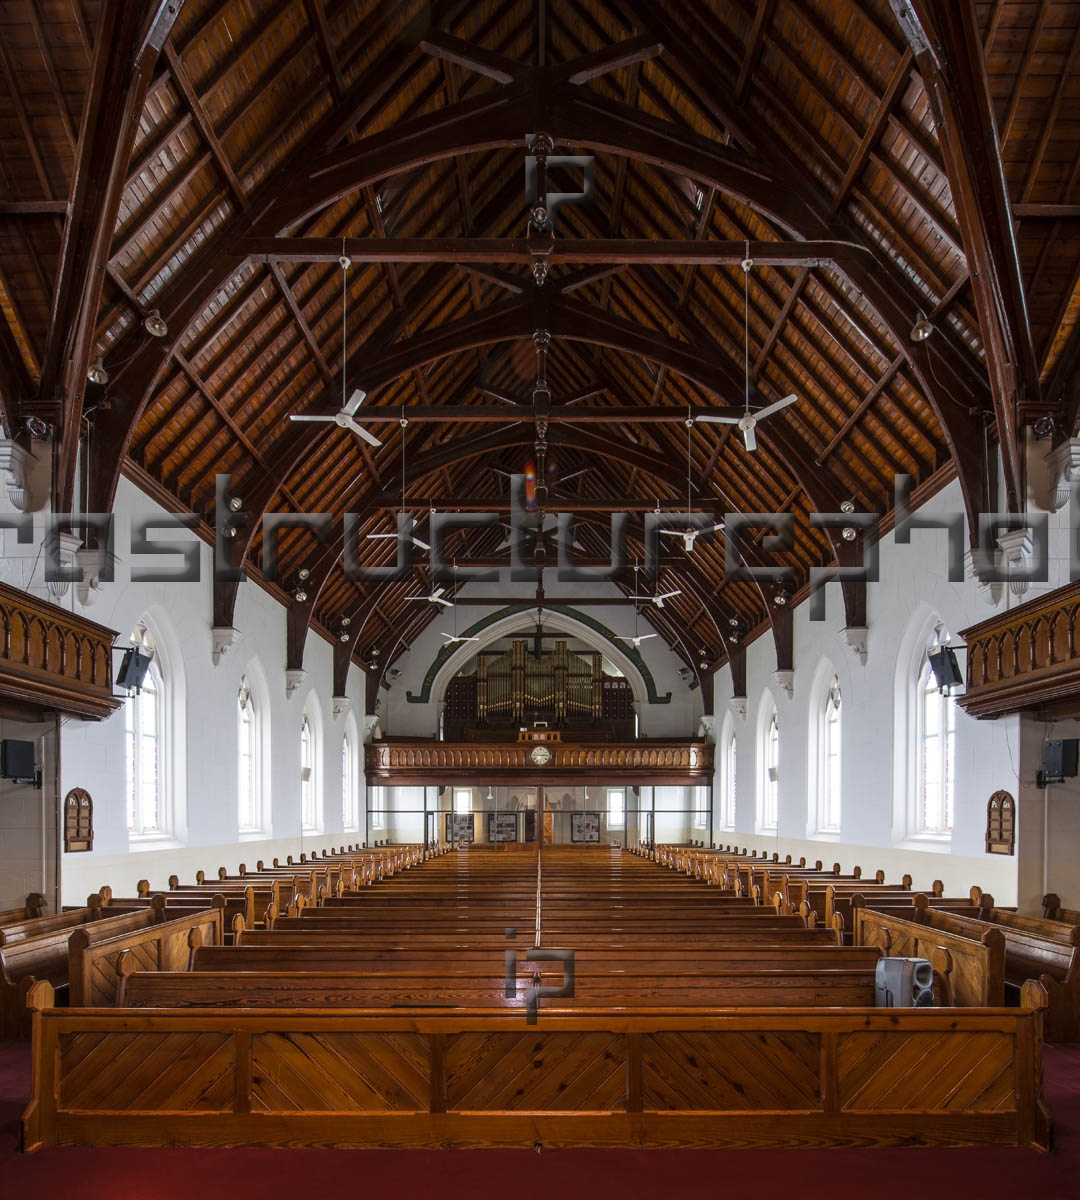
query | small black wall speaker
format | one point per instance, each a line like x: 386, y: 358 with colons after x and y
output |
x: 945, y: 667
x: 1061, y: 758
x: 133, y: 668
x: 17, y: 759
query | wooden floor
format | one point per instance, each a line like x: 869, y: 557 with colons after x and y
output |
x: 646, y: 1067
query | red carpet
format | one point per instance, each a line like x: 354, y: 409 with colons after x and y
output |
x: 446, y: 1175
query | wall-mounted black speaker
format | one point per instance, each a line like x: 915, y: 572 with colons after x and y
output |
x: 945, y: 667
x: 1061, y: 758
x: 133, y: 668
x: 17, y: 759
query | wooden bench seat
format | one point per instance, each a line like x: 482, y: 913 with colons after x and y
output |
x: 46, y: 957
x: 1030, y: 955
x: 773, y: 987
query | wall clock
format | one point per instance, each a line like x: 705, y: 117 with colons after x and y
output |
x: 540, y: 755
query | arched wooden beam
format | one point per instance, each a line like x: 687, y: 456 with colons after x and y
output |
x: 502, y: 118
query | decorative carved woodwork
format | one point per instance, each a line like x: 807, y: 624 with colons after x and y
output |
x: 429, y: 762
x: 53, y: 659
x: 1000, y: 824
x: 78, y: 821
x: 1025, y: 659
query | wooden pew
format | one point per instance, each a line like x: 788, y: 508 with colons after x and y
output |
x: 165, y: 946
x: 767, y: 988
x: 1034, y: 949
x: 34, y: 907
x: 46, y: 957
x: 977, y: 958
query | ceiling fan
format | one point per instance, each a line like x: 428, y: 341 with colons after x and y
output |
x: 435, y: 597
x: 748, y: 422
x: 659, y: 598
x: 453, y: 638
x: 345, y: 418
x: 690, y: 534
x: 399, y: 534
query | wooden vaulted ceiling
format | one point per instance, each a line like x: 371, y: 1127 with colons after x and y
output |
x: 143, y: 144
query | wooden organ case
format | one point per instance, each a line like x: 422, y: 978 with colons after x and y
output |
x: 515, y: 687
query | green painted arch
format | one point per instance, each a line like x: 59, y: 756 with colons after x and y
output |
x: 630, y: 652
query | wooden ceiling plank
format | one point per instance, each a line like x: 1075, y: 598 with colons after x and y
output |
x: 206, y: 128
x: 15, y: 98
x: 129, y: 39
x: 1068, y: 72
x: 897, y: 81
x: 50, y: 70
x: 888, y: 374
x: 1024, y: 71
x: 781, y: 320
x: 762, y: 17
x: 325, y: 43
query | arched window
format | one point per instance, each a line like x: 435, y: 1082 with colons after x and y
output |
x: 829, y: 811
x: 154, y: 740
x: 143, y: 732
x: 350, y: 778
x: 310, y: 758
x: 728, y: 746
x: 823, y: 753
x: 769, y: 769
x: 247, y: 761
x: 937, y: 757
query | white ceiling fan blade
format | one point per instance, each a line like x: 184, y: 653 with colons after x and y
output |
x: 709, y: 420
x: 668, y: 595
x: 355, y: 400
x: 417, y: 542
x: 769, y: 409
x: 574, y: 474
x: 381, y: 535
x: 444, y: 603
x: 307, y: 417
x: 360, y: 431
x: 437, y: 593
x: 749, y: 437
x: 639, y: 597
x: 673, y: 532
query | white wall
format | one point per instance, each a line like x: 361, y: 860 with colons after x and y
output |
x: 205, y: 777
x: 913, y: 584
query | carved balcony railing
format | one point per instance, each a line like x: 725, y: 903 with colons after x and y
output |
x: 412, y: 762
x: 52, y: 659
x: 1025, y: 659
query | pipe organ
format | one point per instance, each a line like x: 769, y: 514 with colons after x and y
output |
x: 514, y: 686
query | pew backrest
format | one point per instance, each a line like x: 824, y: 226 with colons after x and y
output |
x: 164, y: 946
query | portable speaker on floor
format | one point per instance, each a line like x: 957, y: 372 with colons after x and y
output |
x: 904, y: 983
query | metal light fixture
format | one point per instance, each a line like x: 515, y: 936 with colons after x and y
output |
x: 235, y: 504
x: 849, y: 533
x: 154, y: 324
x: 229, y: 531
x: 922, y: 328
x: 97, y: 373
